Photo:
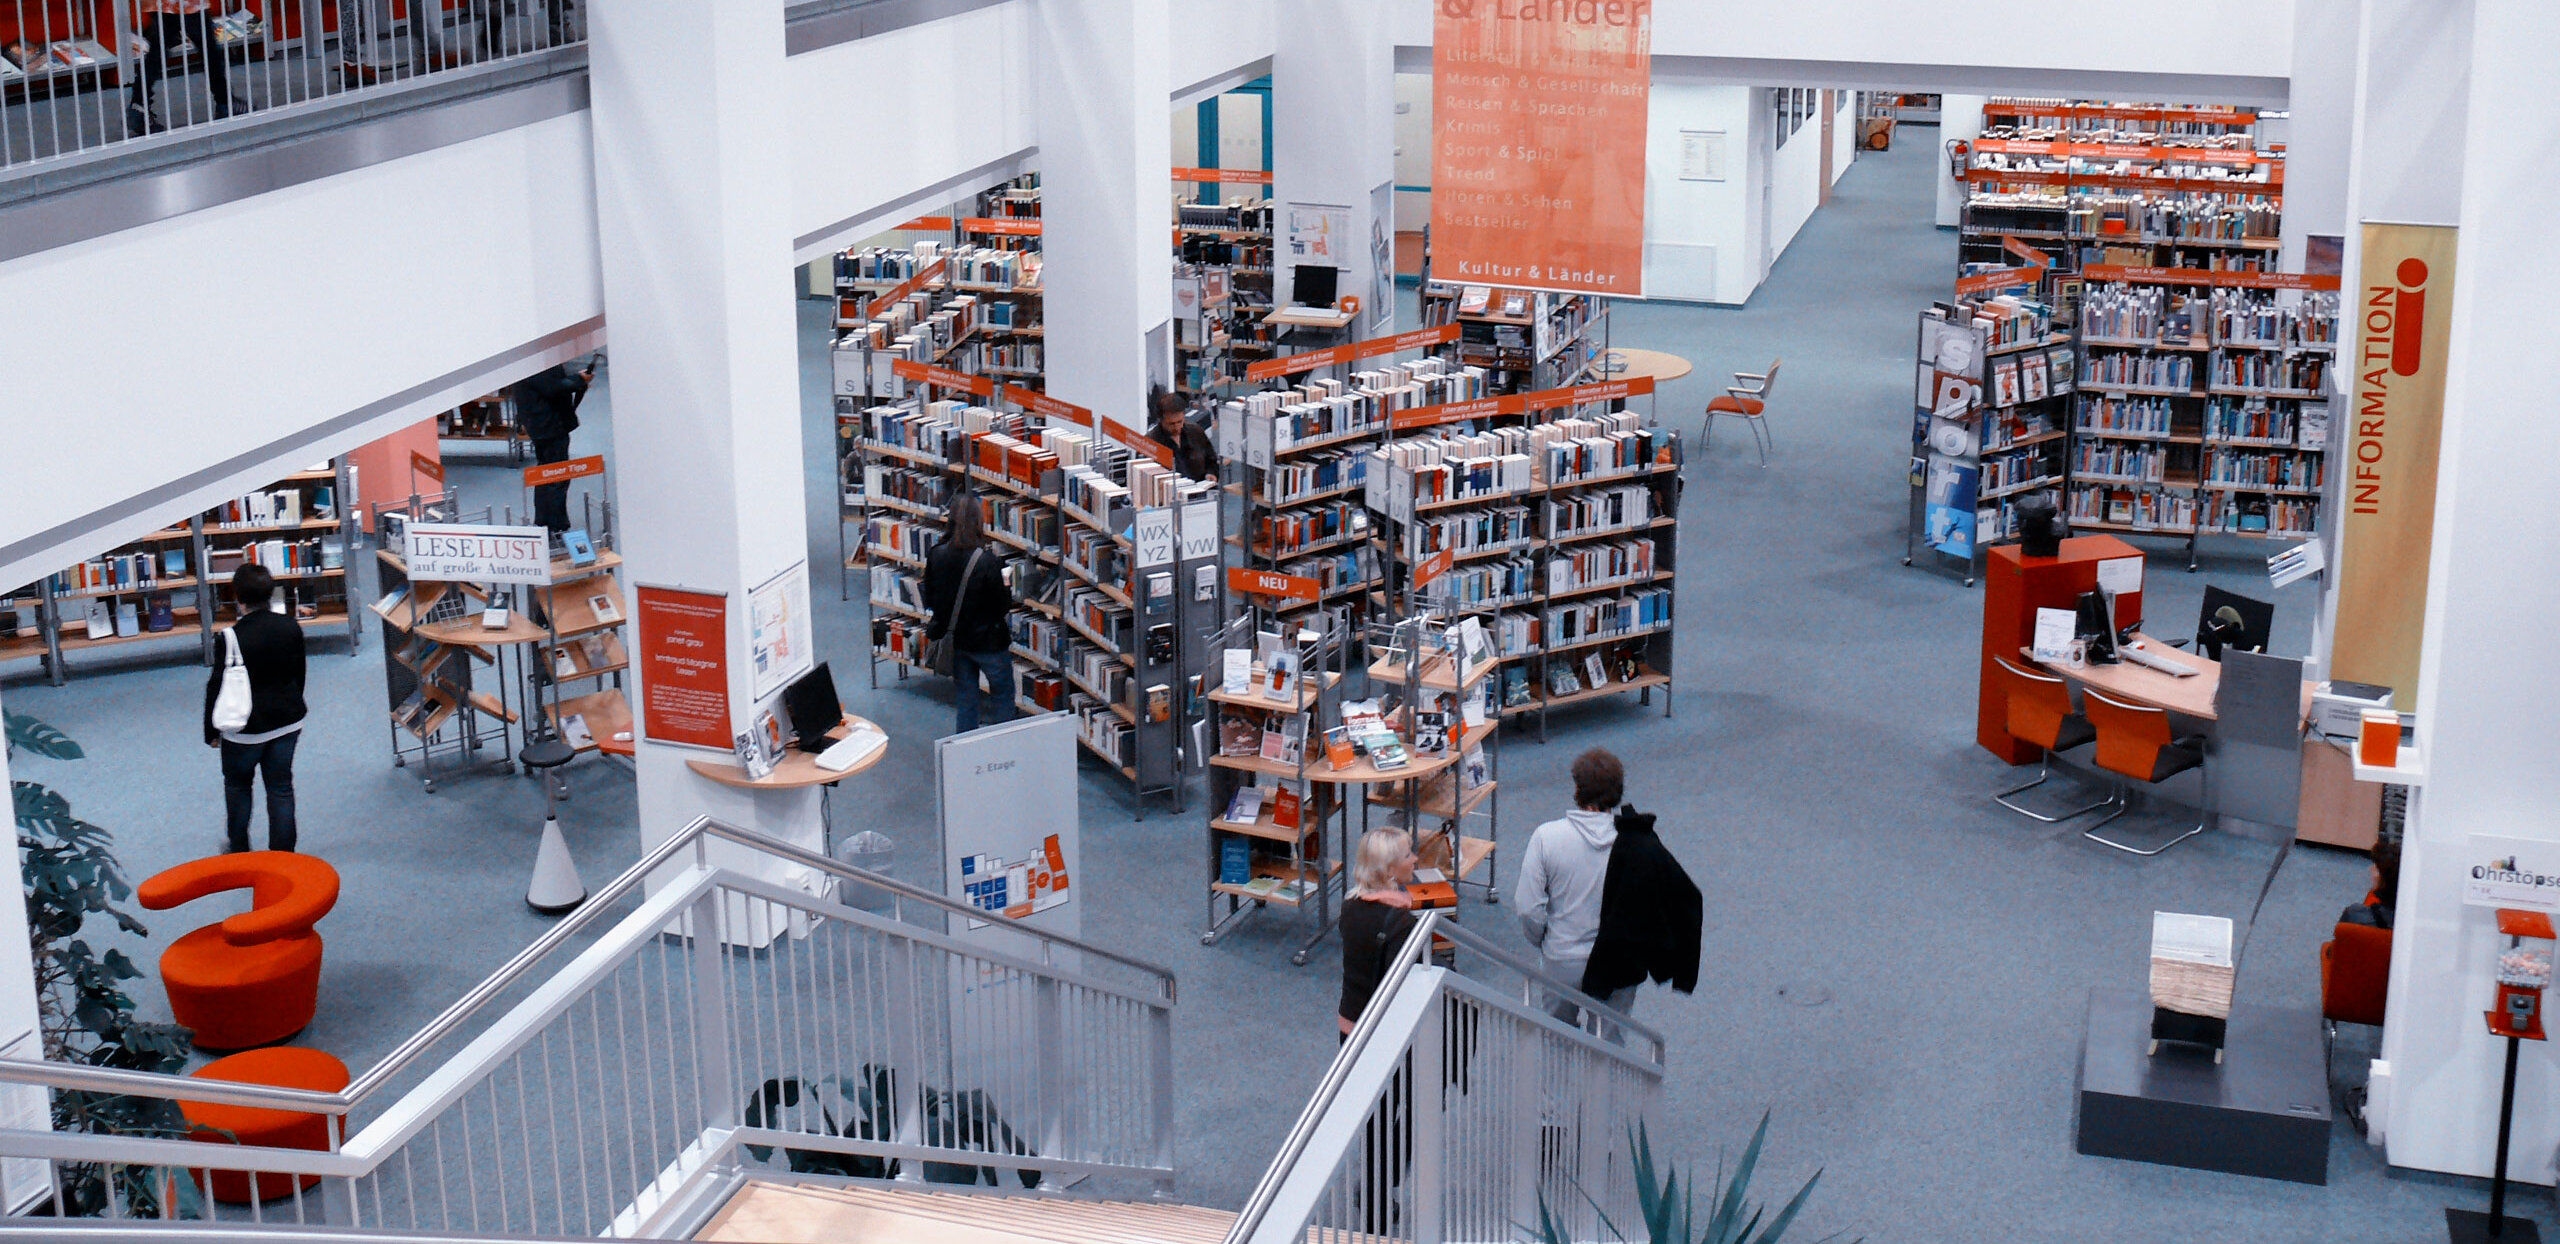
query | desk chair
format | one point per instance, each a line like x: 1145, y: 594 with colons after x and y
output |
x: 2040, y: 712
x: 2134, y: 741
x: 1746, y: 399
x: 2355, y: 983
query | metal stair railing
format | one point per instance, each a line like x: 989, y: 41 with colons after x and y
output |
x: 1528, y: 1107
x: 722, y: 1025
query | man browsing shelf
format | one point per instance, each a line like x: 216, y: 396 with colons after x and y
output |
x: 547, y: 409
x: 271, y: 650
x: 1192, y: 455
x: 1563, y: 877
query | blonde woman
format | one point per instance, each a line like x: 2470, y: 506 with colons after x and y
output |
x: 1375, y: 919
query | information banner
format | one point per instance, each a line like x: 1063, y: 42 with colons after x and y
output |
x: 471, y: 553
x: 684, y: 666
x: 1538, y: 143
x: 2392, y: 419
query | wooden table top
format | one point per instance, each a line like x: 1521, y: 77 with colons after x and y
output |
x: 1311, y: 317
x: 1631, y: 364
x: 796, y: 769
x: 2141, y: 684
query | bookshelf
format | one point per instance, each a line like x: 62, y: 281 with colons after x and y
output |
x: 1553, y: 516
x: 1449, y: 797
x: 1286, y: 849
x: 1991, y: 411
x: 2204, y: 403
x: 437, y: 641
x: 488, y: 420
x: 1525, y: 339
x: 584, y: 655
x: 1223, y: 266
x: 168, y: 585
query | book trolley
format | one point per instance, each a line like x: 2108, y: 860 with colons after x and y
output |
x: 168, y: 585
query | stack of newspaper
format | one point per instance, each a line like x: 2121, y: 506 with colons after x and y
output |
x: 2191, y: 966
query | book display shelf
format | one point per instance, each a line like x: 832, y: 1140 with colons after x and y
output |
x: 584, y: 655
x: 168, y: 586
x: 1064, y: 497
x: 2088, y: 182
x: 1222, y: 280
x: 487, y: 421
x: 439, y: 702
x: 1551, y: 516
x: 1524, y: 339
x: 1443, y: 713
x: 1279, y: 830
x: 1991, y: 410
x: 2204, y: 403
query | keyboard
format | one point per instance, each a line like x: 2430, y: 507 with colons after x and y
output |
x: 2139, y: 656
x: 851, y: 750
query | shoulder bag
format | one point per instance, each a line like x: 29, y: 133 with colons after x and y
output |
x: 231, y: 706
x: 940, y: 655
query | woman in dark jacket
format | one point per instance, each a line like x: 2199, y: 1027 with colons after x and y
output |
x: 271, y: 650
x: 981, y: 624
x: 1376, y: 918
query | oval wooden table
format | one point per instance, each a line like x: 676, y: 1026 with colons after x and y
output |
x: 798, y: 770
x: 1630, y: 364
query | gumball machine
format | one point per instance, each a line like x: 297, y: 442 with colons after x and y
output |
x: 2524, y: 971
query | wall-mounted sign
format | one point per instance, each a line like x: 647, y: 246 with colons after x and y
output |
x: 684, y: 666
x: 472, y: 553
x: 2511, y: 872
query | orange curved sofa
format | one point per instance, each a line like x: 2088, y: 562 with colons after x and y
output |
x: 253, y: 979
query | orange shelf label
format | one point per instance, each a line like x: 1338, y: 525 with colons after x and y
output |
x: 1228, y: 176
x: 555, y: 472
x: 942, y: 377
x: 1269, y: 583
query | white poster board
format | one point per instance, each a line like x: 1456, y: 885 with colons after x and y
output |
x: 779, y: 647
x: 1007, y: 799
x: 477, y: 553
x: 1702, y: 155
x: 1319, y: 233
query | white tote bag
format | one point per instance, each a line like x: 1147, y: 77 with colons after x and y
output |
x: 231, y: 707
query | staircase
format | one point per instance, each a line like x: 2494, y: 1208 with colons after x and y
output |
x: 765, y: 1212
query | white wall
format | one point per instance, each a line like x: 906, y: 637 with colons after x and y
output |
x: 851, y: 173
x: 142, y: 363
x: 1844, y: 133
x: 1216, y: 38
x: 2250, y: 38
x: 1413, y: 150
x: 1959, y: 120
x: 1795, y: 186
x: 1696, y: 247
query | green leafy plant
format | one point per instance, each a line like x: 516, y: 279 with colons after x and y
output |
x: 70, y: 873
x: 1670, y: 1208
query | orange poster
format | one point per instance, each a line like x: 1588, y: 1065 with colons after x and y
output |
x: 1537, y: 153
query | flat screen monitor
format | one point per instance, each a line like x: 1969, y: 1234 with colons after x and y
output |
x: 1311, y: 285
x: 810, y: 701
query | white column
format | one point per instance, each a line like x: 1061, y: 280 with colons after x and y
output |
x: 692, y: 194
x: 2319, y: 130
x: 1106, y: 199
x: 2486, y: 668
x: 21, y: 1180
x: 1959, y: 117
x: 1333, y: 139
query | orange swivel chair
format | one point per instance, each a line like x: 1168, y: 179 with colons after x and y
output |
x: 253, y: 979
x: 2355, y: 976
x: 1747, y: 399
x: 2040, y: 712
x: 2134, y: 741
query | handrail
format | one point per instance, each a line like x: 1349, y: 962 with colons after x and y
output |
x: 111, y: 1231
x: 596, y: 909
x: 1482, y: 945
x: 1416, y: 948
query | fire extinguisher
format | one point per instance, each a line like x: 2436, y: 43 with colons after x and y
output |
x: 1959, y: 154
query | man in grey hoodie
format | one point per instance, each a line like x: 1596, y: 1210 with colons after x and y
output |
x: 1562, y: 875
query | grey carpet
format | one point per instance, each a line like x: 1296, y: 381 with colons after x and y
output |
x: 1819, y: 779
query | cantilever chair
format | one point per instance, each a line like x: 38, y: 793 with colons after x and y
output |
x: 2040, y: 712
x: 1747, y: 399
x: 2134, y: 741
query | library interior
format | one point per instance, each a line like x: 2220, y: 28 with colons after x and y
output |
x: 1773, y: 598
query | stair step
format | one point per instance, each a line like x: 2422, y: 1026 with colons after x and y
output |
x: 772, y: 1212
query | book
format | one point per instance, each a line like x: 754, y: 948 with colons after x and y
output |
x: 1473, y: 299
x: 1271, y: 744
x: 1246, y: 806
x: 162, y: 616
x: 1594, y: 671
x: 1515, y: 686
x: 606, y: 610
x: 1238, y: 735
x: 1337, y: 748
x: 1293, y: 738
x: 100, y: 618
x: 1284, y: 808
x: 749, y: 746
x: 128, y: 618
x: 581, y: 549
x: 574, y: 732
x: 1280, y: 678
x: 2004, y: 383
x: 1235, y: 861
x: 1431, y: 732
x: 564, y: 664
x: 1515, y: 304
x: 1237, y: 671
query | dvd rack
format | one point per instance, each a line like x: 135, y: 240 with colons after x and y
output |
x: 170, y: 584
x: 1990, y: 416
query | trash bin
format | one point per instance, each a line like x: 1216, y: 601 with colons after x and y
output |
x: 873, y: 852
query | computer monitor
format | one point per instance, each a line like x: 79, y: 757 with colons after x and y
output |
x: 810, y: 702
x: 1311, y: 285
x: 2257, y: 617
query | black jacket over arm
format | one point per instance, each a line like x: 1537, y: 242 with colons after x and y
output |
x: 982, y: 625
x: 1193, y: 456
x: 1651, y: 915
x: 271, y: 649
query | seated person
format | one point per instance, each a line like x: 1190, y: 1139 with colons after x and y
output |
x: 2375, y: 910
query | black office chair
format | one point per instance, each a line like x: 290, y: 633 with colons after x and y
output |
x: 2248, y: 633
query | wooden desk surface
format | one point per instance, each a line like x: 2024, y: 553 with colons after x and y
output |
x: 796, y: 769
x: 1311, y: 317
x: 2141, y: 684
x: 1631, y: 364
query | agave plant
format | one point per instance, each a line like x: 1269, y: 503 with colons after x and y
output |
x: 70, y: 873
x: 1670, y: 1208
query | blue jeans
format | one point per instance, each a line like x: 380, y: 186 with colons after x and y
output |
x: 272, y: 759
x: 998, y: 667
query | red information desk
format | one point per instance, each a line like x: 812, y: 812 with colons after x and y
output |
x: 2014, y: 586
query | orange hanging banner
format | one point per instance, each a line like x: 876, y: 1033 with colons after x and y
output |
x: 1538, y: 142
x: 1224, y: 176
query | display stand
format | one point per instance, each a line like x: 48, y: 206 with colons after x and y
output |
x: 1989, y: 407
x: 1446, y: 791
x: 1528, y: 339
x: 1290, y: 851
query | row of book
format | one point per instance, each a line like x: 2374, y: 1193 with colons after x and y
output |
x: 1097, y: 553
x: 1283, y: 533
x: 1339, y: 570
x: 2139, y: 369
x: 1102, y: 673
x: 121, y: 571
x: 2255, y: 369
x: 2008, y: 427
x: 2266, y: 470
x: 885, y: 263
x: 1601, y: 509
x: 2010, y: 320
x: 930, y: 490
x: 2270, y: 516
x: 1468, y: 532
x: 2018, y: 469
x: 2146, y: 510
x: 2125, y: 416
x: 1243, y: 215
x: 1024, y: 520
x: 2257, y: 317
x: 2119, y: 460
x: 2153, y: 217
x: 1485, y: 585
x: 1098, y: 614
x: 282, y: 507
x: 2031, y: 376
x: 1298, y: 478
x: 898, y: 588
x: 1525, y: 632
x: 2250, y: 419
x: 1586, y: 566
x: 1575, y: 450
x: 283, y: 557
